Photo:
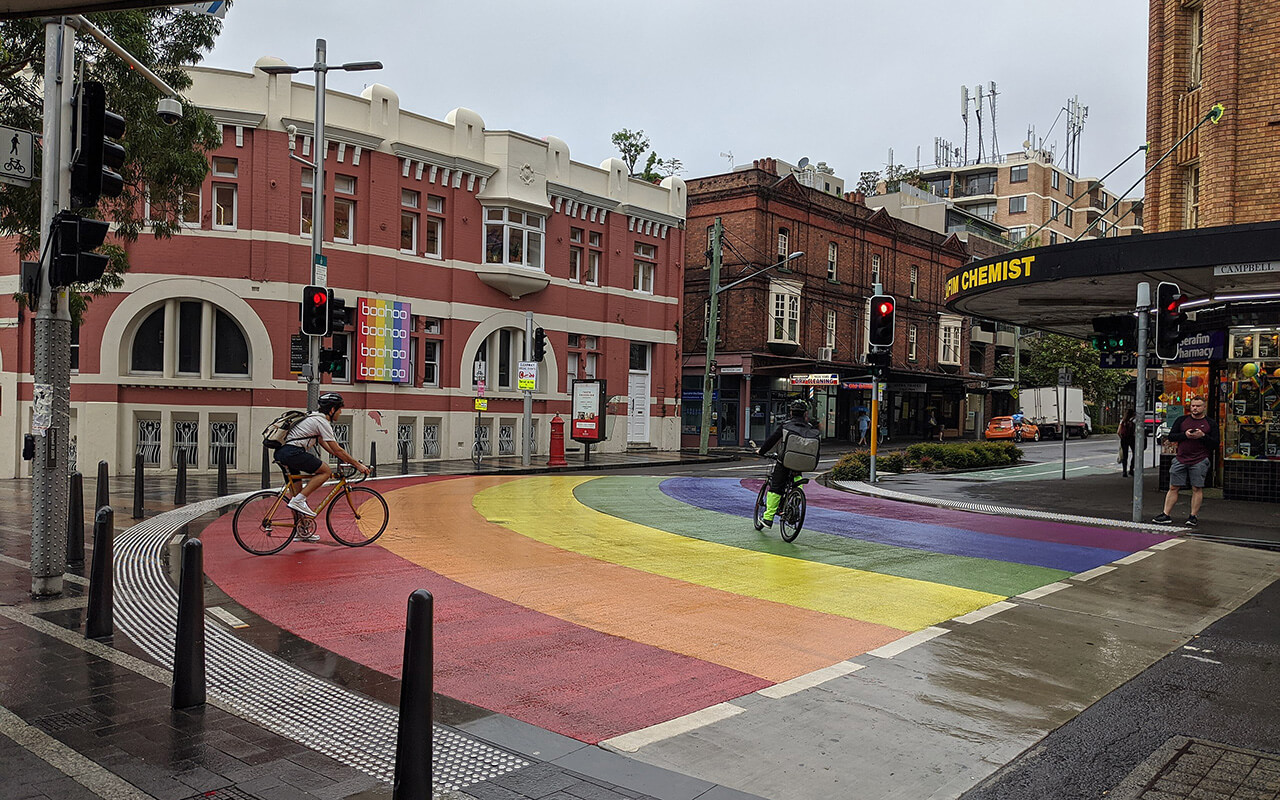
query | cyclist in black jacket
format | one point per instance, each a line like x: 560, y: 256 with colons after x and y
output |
x: 781, y: 477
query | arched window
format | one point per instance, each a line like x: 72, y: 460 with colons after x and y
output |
x: 496, y: 360
x: 206, y: 342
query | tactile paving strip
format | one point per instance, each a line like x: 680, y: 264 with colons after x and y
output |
x: 345, y: 726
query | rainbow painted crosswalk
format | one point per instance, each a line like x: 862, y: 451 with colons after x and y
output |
x: 595, y: 606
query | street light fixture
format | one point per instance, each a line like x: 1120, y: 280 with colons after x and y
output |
x: 713, y: 323
x: 320, y: 68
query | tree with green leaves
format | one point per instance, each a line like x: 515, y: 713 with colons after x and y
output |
x: 1045, y: 353
x: 631, y: 144
x: 867, y: 182
x: 165, y: 163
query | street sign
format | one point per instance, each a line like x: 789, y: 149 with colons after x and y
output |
x: 478, y: 372
x: 527, y: 377
x: 482, y: 404
x: 320, y: 269
x: 17, y: 156
x: 1118, y: 360
x: 215, y: 9
x: 1064, y: 376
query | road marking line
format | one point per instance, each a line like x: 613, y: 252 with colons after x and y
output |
x: 983, y: 613
x: 1165, y: 545
x: 1092, y: 573
x: 1134, y: 558
x: 1198, y: 658
x: 802, y: 682
x: 907, y: 642
x: 1036, y: 594
x: 1035, y: 474
x: 631, y: 742
x: 82, y: 770
x: 226, y: 617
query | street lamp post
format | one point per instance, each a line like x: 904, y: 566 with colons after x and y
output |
x: 713, y: 324
x: 319, y: 277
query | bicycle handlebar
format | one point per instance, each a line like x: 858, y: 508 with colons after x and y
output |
x: 349, y: 473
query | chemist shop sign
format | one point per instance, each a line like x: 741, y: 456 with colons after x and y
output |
x: 382, y: 341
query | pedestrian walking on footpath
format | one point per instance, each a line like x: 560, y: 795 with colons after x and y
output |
x: 1126, y: 431
x: 864, y: 427
x: 1197, y: 439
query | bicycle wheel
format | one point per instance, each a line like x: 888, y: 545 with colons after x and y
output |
x: 790, y: 516
x: 477, y: 454
x: 757, y: 517
x: 264, y: 523
x: 357, y: 517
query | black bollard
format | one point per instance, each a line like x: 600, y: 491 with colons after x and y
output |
x: 404, y: 461
x: 75, y: 522
x: 137, y: 487
x: 373, y: 459
x: 180, y: 488
x: 222, y: 472
x: 266, y: 467
x: 98, y: 623
x: 413, y: 739
x: 188, y: 652
x: 103, y: 492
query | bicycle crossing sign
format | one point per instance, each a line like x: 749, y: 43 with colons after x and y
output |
x: 17, y: 156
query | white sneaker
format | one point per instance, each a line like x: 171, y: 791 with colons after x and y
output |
x: 307, y: 537
x: 299, y: 503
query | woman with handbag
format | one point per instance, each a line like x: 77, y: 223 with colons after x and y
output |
x: 1126, y: 432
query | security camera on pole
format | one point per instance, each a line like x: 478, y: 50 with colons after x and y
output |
x: 319, y: 265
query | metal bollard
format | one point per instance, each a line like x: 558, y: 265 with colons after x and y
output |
x: 414, y: 737
x: 266, y: 467
x: 99, y: 622
x: 137, y: 487
x: 404, y: 461
x: 222, y: 472
x: 75, y: 522
x: 103, y: 492
x: 180, y: 488
x: 373, y: 459
x: 188, y: 652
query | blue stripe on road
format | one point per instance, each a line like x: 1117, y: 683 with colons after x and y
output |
x: 728, y: 496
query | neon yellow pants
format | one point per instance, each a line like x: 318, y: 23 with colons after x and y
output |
x: 771, y: 502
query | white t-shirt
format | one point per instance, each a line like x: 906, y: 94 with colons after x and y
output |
x: 311, y: 431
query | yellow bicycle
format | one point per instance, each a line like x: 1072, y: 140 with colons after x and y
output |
x: 355, y: 515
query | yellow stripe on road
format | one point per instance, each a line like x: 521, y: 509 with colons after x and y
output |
x: 545, y: 509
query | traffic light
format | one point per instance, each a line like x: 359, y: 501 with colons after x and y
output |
x: 72, y: 259
x: 332, y: 360
x: 539, y: 344
x: 96, y: 159
x: 1115, y: 334
x: 1169, y: 319
x: 882, y: 313
x: 878, y: 363
x: 339, y: 314
x: 315, y: 310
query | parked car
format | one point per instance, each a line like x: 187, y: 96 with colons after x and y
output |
x: 1002, y: 428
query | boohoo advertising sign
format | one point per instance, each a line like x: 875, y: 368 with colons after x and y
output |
x: 382, y: 341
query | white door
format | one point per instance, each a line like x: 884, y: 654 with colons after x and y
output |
x: 638, y: 407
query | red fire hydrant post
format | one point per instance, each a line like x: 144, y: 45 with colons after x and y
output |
x: 557, y: 443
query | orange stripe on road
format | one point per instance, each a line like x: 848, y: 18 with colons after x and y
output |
x: 435, y: 525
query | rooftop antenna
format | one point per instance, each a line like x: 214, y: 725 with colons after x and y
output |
x: 978, y: 113
x: 804, y: 162
x: 728, y: 155
x: 964, y: 113
x: 995, y: 141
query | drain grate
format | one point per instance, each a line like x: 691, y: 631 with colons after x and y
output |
x: 225, y: 793
x: 64, y: 720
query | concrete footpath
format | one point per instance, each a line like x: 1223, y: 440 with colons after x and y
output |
x: 91, y: 719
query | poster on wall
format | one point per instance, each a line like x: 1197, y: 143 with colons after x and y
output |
x: 382, y: 341
x: 587, y: 424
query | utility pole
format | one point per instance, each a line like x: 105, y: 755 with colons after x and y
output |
x: 526, y: 456
x: 713, y: 314
x: 52, y: 327
x: 1140, y: 397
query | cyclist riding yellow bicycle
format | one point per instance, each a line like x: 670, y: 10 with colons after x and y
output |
x: 313, y: 432
x: 797, y: 426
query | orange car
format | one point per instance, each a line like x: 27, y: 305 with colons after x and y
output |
x: 1002, y: 428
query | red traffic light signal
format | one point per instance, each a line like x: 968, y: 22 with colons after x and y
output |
x: 880, y: 334
x: 315, y: 310
x: 1169, y: 319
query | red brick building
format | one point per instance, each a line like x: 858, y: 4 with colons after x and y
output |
x: 809, y: 317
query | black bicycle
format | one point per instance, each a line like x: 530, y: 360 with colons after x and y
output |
x: 790, y: 515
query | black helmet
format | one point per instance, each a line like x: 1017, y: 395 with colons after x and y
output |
x: 799, y: 408
x: 330, y: 400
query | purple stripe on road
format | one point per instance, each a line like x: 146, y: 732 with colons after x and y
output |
x: 729, y: 496
x: 1129, y: 541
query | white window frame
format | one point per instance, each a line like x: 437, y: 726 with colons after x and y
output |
x: 1017, y: 234
x: 833, y: 259
x: 219, y: 220
x: 412, y: 218
x: 912, y: 336
x: 533, y: 238
x: 304, y: 215
x: 875, y: 268
x: 784, y: 239
x: 575, y: 264
x: 1018, y: 204
x: 350, y: 205
x: 205, y: 347
x: 949, y: 340
x: 1191, y: 196
x: 784, y: 311
x: 592, y: 276
x: 915, y: 281
x: 433, y: 219
x: 642, y: 277
x: 224, y: 173
x: 831, y: 330
x: 1055, y: 179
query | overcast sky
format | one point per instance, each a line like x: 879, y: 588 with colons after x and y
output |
x: 840, y: 81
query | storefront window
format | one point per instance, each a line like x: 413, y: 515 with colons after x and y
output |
x: 1251, y: 393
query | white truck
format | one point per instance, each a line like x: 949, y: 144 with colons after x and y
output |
x: 1041, y: 407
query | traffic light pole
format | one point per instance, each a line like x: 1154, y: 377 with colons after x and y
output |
x: 319, y: 278
x: 51, y: 402
x: 713, y: 313
x: 526, y: 455
x: 1140, y: 398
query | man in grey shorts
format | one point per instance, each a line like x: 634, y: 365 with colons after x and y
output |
x: 1197, y: 438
